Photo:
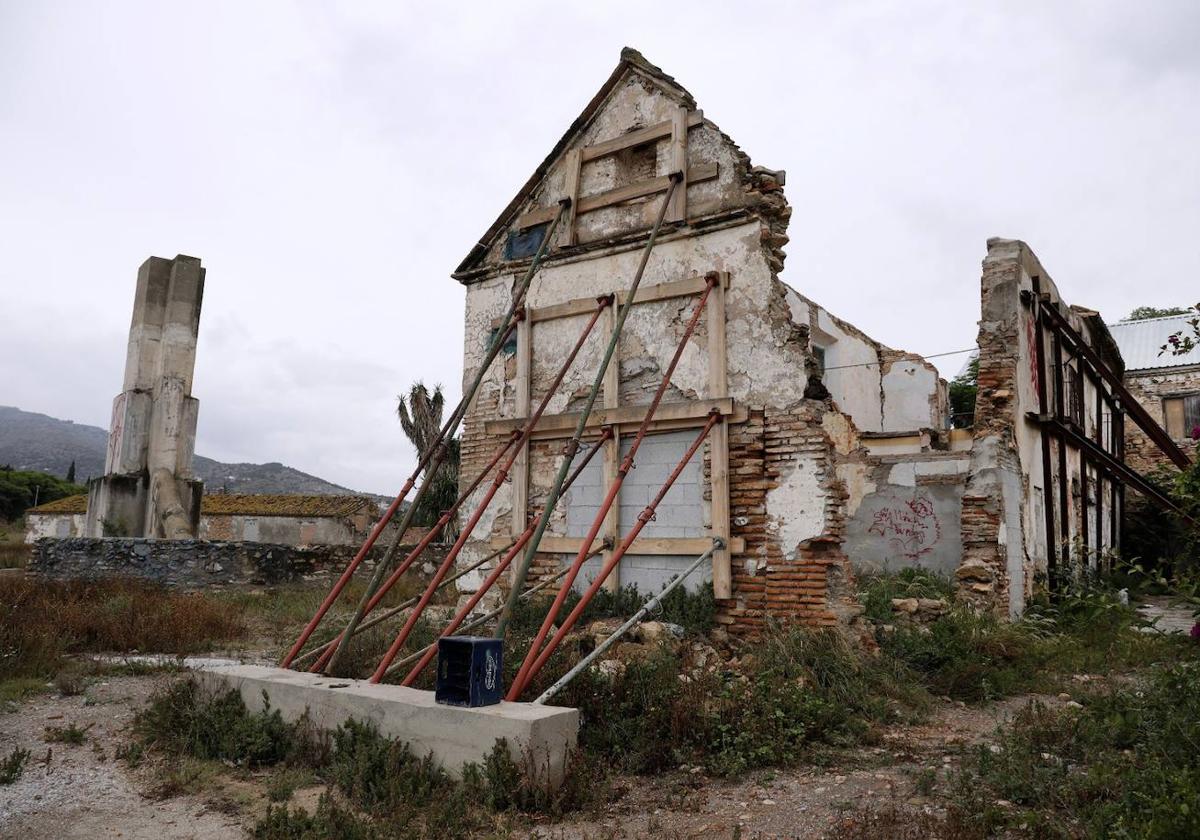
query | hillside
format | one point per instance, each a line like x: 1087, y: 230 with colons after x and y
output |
x: 31, y: 441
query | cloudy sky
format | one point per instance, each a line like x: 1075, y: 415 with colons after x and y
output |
x: 332, y: 163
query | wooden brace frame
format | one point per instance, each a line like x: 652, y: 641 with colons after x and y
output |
x: 681, y: 415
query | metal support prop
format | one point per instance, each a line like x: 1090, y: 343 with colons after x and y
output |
x: 573, y: 444
x: 513, y: 550
x: 497, y: 482
x: 327, y: 656
x: 436, y: 450
x: 448, y: 431
x: 379, y: 618
x: 615, y: 488
x: 477, y: 622
x: 534, y: 661
x: 582, y: 665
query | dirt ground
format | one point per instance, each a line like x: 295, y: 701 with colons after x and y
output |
x: 86, y: 792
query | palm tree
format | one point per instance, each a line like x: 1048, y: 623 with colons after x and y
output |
x: 421, y: 419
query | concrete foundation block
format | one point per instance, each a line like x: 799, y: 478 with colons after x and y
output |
x: 454, y: 735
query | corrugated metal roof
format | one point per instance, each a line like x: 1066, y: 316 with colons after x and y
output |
x: 1140, y: 342
x: 243, y: 504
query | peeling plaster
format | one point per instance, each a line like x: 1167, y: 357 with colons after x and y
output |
x: 796, y: 508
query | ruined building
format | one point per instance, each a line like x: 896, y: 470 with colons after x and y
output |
x: 835, y: 451
x: 1167, y: 385
x: 148, y: 489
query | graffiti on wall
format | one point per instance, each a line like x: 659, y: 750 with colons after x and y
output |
x: 911, y: 527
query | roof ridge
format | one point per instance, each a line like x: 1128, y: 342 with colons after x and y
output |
x: 1127, y: 321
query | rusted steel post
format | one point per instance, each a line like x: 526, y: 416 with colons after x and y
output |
x: 622, y: 472
x: 431, y: 459
x: 379, y: 618
x: 534, y: 660
x: 573, y: 444
x: 510, y: 322
x: 504, y: 564
x: 478, y: 622
x: 325, y: 660
x: 501, y: 474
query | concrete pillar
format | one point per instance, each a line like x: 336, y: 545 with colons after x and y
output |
x: 148, y: 489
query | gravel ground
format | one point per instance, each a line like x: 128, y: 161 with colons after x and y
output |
x: 83, y: 791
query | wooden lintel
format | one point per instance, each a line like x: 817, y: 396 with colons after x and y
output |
x: 683, y: 415
x: 645, y: 294
x: 542, y: 215
x: 636, y: 138
x: 683, y: 546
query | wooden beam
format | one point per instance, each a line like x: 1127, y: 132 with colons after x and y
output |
x: 573, y: 164
x: 612, y: 451
x: 696, y: 174
x: 683, y: 546
x: 637, y: 138
x: 688, y: 414
x: 520, y: 470
x: 677, y: 211
x: 703, y: 172
x: 718, y: 441
x: 645, y: 294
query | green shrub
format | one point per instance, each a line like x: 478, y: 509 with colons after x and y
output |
x: 183, y: 720
x: 877, y: 591
x: 13, y: 766
x: 1124, y: 765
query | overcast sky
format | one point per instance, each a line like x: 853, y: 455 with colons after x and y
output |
x: 332, y: 163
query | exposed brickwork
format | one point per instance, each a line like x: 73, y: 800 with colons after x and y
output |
x: 772, y: 581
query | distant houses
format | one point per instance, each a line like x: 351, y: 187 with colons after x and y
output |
x: 295, y: 520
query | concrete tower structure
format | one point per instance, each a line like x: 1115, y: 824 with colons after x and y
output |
x: 148, y: 489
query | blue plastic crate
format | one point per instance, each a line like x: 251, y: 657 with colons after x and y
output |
x: 470, y: 671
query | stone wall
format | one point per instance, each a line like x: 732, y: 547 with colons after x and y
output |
x: 1150, y: 387
x: 199, y: 564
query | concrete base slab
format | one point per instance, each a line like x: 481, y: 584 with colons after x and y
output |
x: 455, y: 736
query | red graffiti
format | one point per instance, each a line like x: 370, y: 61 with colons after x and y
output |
x: 1034, y: 360
x: 912, y: 529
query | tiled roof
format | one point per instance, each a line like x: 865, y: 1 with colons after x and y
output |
x: 1140, y: 342
x: 68, y: 504
x: 244, y: 504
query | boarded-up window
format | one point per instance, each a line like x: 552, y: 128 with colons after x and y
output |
x: 524, y: 243
x: 1074, y: 396
x: 1182, y: 415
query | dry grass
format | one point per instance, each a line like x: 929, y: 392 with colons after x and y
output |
x: 43, y: 621
x: 14, y: 553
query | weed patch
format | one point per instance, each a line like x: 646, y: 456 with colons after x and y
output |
x: 69, y: 734
x: 13, y: 766
x: 1123, y: 765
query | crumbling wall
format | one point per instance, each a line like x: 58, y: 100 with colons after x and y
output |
x: 1006, y: 547
x: 881, y: 389
x: 798, y: 467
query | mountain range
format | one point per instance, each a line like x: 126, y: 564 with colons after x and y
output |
x: 31, y: 441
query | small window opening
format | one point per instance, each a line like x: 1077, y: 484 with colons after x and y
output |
x: 524, y: 243
x: 1182, y: 415
x: 509, y: 347
x: 819, y: 357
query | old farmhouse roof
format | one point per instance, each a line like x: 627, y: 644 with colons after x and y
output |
x: 243, y: 504
x: 1142, y: 341
x: 631, y: 61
